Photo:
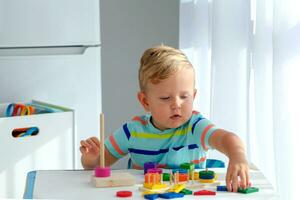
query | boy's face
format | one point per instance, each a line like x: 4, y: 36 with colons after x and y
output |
x: 171, y: 101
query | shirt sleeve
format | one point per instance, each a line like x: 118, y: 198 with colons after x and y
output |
x: 202, y: 130
x: 117, y: 143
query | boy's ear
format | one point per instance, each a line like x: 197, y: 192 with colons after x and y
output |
x: 195, y: 92
x: 143, y: 100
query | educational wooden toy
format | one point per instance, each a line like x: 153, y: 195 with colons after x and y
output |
x: 177, y: 188
x: 188, y: 166
x: 186, y: 192
x: 103, y: 176
x: 149, y: 165
x: 151, y: 196
x: 207, y: 174
x: 248, y: 190
x: 124, y: 193
x: 222, y: 188
x: 171, y: 195
x: 153, y: 181
x: 204, y: 192
x: 155, y: 170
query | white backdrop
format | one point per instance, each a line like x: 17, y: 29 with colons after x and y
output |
x: 247, y: 57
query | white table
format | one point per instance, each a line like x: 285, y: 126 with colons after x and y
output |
x: 69, y: 184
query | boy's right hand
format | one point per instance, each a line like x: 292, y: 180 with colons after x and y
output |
x: 90, y: 148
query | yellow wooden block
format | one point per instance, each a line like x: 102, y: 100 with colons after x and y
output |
x: 206, y: 180
x: 115, y: 180
x: 155, y: 186
x: 148, y: 192
x: 177, y: 188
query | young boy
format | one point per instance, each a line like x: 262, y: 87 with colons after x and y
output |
x: 172, y: 133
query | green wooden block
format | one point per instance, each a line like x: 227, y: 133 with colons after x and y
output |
x: 186, y: 192
x: 248, y: 190
x: 188, y: 166
x: 166, y: 177
x: 207, y: 174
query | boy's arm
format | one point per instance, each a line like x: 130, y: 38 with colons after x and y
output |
x: 232, y: 146
x: 90, y: 154
x: 89, y: 163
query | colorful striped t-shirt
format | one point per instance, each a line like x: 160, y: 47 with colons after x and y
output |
x: 168, y: 148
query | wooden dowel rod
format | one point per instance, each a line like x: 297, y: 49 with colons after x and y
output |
x: 102, y: 135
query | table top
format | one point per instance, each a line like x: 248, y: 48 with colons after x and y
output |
x: 76, y: 184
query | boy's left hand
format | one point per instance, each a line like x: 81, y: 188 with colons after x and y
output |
x: 237, y: 175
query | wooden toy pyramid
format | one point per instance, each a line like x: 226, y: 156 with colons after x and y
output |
x: 103, y: 176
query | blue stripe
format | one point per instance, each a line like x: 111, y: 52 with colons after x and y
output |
x: 147, y: 152
x: 193, y: 146
x: 125, y: 128
x: 28, y: 194
x: 193, y: 127
x: 177, y: 148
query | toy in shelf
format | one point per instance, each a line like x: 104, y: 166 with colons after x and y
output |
x: 103, y: 176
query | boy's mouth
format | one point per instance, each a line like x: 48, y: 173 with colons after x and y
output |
x: 176, y: 116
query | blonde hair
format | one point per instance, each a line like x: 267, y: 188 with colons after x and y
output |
x: 159, y: 63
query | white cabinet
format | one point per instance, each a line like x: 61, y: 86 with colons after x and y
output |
x: 30, y: 23
x: 51, y: 148
x: 71, y: 79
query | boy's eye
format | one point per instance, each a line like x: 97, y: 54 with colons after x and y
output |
x: 164, y: 98
x: 184, y: 97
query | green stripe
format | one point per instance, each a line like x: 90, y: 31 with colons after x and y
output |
x: 158, y: 136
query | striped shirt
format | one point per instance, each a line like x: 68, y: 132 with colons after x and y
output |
x: 168, y: 148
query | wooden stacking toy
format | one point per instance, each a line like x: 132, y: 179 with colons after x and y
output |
x: 103, y: 176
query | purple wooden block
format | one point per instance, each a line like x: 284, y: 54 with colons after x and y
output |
x: 149, y: 165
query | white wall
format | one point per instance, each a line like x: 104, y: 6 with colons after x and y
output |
x: 128, y: 27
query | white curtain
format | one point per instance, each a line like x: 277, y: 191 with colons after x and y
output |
x: 247, y: 57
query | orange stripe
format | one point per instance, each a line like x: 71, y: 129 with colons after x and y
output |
x: 114, y: 144
x: 161, y: 166
x: 195, y: 112
x: 199, y: 161
x: 134, y: 166
x: 203, y: 136
x: 139, y: 119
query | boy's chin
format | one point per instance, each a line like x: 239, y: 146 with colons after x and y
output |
x: 175, y: 125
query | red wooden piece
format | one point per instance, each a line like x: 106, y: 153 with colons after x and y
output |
x: 124, y: 193
x: 204, y: 192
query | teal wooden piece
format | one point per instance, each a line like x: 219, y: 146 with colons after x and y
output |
x: 213, y: 163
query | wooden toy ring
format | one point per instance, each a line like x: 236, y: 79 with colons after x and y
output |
x: 102, y: 172
x: 124, y: 193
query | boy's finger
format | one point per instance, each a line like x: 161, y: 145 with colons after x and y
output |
x: 228, y: 182
x: 235, y: 183
x: 83, y: 150
x: 85, y: 144
x: 95, y: 140
x: 248, y: 179
x: 91, y: 143
x: 243, y: 182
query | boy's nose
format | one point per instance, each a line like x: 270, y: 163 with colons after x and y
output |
x: 176, y: 103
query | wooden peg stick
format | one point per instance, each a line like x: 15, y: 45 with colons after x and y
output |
x: 102, y: 133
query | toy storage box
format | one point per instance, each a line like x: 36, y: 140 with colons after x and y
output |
x: 51, y: 148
